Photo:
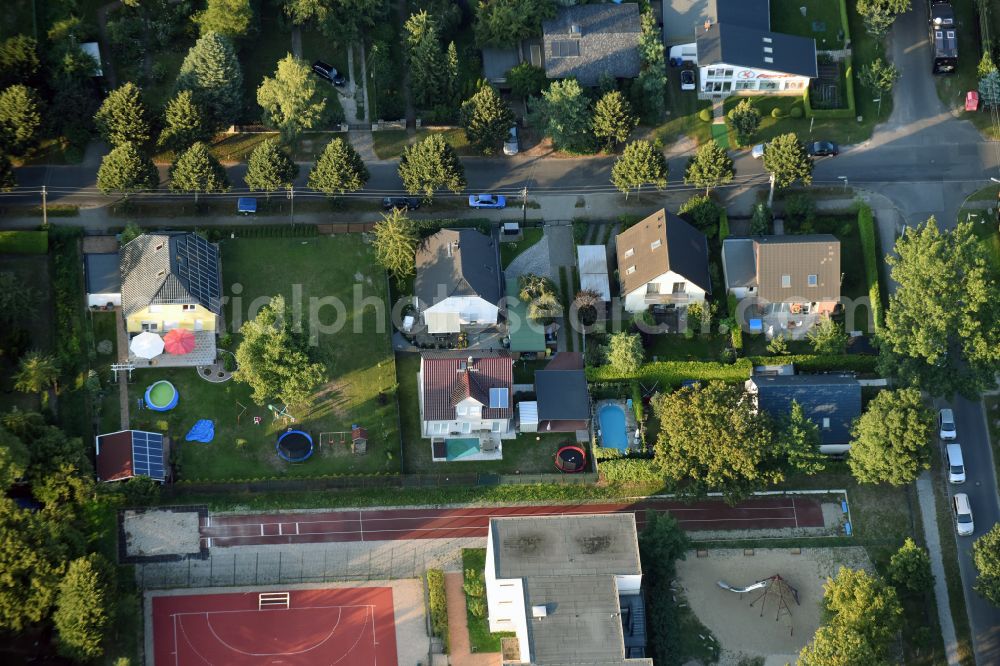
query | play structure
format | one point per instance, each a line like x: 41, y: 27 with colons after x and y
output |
x: 774, y: 589
x: 281, y: 413
x: 571, y: 459
x: 161, y: 396
x: 294, y: 446
x: 356, y: 436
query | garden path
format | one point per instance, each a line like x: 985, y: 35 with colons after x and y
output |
x: 459, y: 648
x: 123, y: 375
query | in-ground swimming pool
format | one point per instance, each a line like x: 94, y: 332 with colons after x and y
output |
x: 611, y: 418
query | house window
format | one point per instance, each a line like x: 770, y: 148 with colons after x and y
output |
x: 466, y: 427
x: 786, y: 281
x: 536, y: 55
x: 629, y: 252
x: 766, y: 84
x: 826, y: 423
x: 746, y: 85
x: 680, y: 287
x: 794, y: 85
x: 149, y: 326
x: 630, y: 270
x: 652, y: 288
x: 188, y: 308
x: 461, y: 410
x: 813, y: 280
x: 496, y: 426
x: 154, y: 308
x: 655, y: 244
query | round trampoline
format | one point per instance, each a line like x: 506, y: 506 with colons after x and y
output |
x: 161, y: 396
x: 294, y: 446
x: 571, y: 459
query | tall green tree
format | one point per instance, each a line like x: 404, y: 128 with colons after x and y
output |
x: 624, y: 353
x: 339, y: 169
x: 879, y: 76
x: 712, y: 438
x: 184, y: 123
x: 211, y: 71
x: 661, y: 543
x: 650, y: 87
x: 986, y: 65
x: 891, y: 441
x: 126, y: 170
x: 197, y: 170
x: 910, y: 568
x: 526, y: 80
x: 395, y: 243
x: 879, y: 15
x: 31, y: 558
x: 123, y: 117
x: 986, y: 557
x: 786, y: 159
x: 639, y: 164
x: 703, y: 213
x: 613, y: 120
x: 270, y: 168
x: 800, y: 440
x: 37, y: 373
x: 865, y: 603
x: 539, y: 292
x: 710, y: 166
x: 745, y: 119
x: 564, y: 115
x: 19, y: 61
x: 942, y: 328
x: 229, y: 18
x: 84, y: 608
x: 8, y: 180
x: 291, y: 101
x: 429, y: 165
x: 275, y: 360
x: 828, y: 337
x: 14, y: 459
x: 838, y: 646
x: 427, y: 60
x: 507, y: 22
x: 20, y: 118
x: 487, y: 120
x: 344, y: 19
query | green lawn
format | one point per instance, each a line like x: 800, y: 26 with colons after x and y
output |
x: 676, y: 347
x: 843, y: 131
x: 360, y: 366
x: 109, y: 411
x: 259, y: 57
x: 389, y: 144
x: 528, y: 454
x: 480, y: 638
x: 683, y: 107
x: 786, y: 17
x: 510, y: 251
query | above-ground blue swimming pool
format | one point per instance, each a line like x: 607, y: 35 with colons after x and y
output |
x: 613, y: 433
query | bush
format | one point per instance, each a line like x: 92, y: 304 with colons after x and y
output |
x: 438, y: 605
x: 672, y: 373
x: 824, y: 363
x: 776, y: 112
x: 24, y: 242
x: 705, y: 115
x: 802, y: 207
x: 723, y: 225
x: 869, y: 245
x: 67, y: 289
x: 631, y: 471
x: 474, y: 584
x: 796, y: 112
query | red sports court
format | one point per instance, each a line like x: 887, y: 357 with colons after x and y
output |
x: 346, y: 626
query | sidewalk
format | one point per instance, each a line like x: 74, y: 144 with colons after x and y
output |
x: 460, y: 651
x: 928, y: 516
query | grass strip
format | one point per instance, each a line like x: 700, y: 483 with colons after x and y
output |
x: 474, y: 568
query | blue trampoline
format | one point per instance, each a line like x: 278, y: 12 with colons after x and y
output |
x: 294, y: 446
x: 161, y: 396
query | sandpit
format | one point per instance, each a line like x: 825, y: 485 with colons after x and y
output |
x: 160, y: 533
x: 741, y: 629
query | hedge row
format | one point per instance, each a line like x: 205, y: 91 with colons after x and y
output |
x: 723, y: 226
x: 67, y: 291
x: 850, y: 111
x: 673, y: 373
x: 439, y: 605
x: 264, y: 479
x: 822, y: 363
x: 24, y: 242
x: 869, y: 245
x: 736, y: 332
x: 631, y: 470
x: 262, y: 231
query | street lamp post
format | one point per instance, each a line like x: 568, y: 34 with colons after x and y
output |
x: 843, y: 178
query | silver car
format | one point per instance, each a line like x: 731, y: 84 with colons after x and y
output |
x: 510, y: 145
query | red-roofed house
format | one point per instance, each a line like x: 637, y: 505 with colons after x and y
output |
x: 128, y: 453
x: 466, y: 396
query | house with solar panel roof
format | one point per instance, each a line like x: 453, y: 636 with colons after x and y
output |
x: 171, y: 281
x: 130, y: 453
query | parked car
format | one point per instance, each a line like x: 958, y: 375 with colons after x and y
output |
x: 963, y: 514
x: 400, y: 203
x: 487, y: 201
x: 956, y: 464
x: 328, y: 72
x: 757, y: 152
x: 946, y: 425
x: 688, y: 80
x: 823, y: 149
x: 683, y: 54
x: 510, y: 145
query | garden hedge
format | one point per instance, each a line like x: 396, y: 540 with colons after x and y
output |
x: 822, y: 363
x: 672, y: 373
x: 869, y: 245
x: 24, y: 242
x: 723, y: 226
x: 631, y: 470
x: 438, y: 601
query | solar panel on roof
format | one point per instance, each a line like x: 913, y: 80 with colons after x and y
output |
x: 499, y: 398
x: 147, y: 455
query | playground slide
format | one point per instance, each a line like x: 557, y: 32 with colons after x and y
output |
x: 740, y: 590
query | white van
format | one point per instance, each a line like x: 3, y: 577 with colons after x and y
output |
x: 963, y: 514
x: 956, y: 465
x: 684, y: 54
x: 946, y: 424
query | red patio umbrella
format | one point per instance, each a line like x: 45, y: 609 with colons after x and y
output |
x: 178, y: 341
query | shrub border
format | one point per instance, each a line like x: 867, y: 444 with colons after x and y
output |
x: 438, y: 601
x: 24, y: 242
x: 870, y: 247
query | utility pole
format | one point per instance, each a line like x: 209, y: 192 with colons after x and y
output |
x: 45, y: 209
x: 291, y: 198
x: 524, y: 206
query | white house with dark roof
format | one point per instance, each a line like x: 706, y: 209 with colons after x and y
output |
x: 737, y: 52
x: 662, y: 260
x: 457, y: 283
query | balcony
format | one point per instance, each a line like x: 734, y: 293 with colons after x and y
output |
x: 668, y: 299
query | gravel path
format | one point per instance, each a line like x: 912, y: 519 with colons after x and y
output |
x: 533, y: 260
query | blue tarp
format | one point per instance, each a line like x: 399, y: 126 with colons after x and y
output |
x: 203, y: 431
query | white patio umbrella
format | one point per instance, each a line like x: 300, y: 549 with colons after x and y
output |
x: 146, y: 345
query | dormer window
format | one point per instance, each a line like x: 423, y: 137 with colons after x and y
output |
x: 630, y: 270
x: 629, y: 252
x: 159, y: 246
x: 655, y: 244
x: 826, y: 423
x: 786, y: 281
x: 813, y: 280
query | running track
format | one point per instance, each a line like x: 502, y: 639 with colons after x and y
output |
x: 397, y: 524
